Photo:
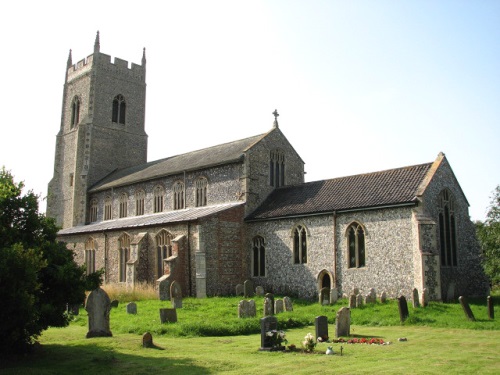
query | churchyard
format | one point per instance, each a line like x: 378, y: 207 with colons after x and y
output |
x: 210, y: 337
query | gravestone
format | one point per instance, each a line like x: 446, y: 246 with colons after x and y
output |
x: 491, y: 310
x: 252, y: 310
x: 74, y: 309
x: 414, y: 298
x: 368, y: 299
x: 424, y: 298
x: 352, y: 301
x: 287, y: 301
x: 98, y: 306
x: 450, y: 295
x: 343, y: 322
x: 147, y: 340
x: 321, y: 327
x: 373, y: 296
x: 259, y: 291
x: 359, y: 300
x: 271, y: 297
x: 334, y: 295
x: 248, y: 288
x: 246, y: 309
x: 355, y: 291
x: 324, y: 296
x: 267, y: 324
x: 164, y: 288
x: 132, y: 308
x: 466, y: 308
x: 403, y: 309
x: 114, y: 303
x: 168, y: 316
x: 268, y: 307
x: 278, y: 306
x: 176, y: 295
x: 383, y: 297
x: 239, y: 290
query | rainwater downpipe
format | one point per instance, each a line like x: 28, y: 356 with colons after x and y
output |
x: 335, y: 249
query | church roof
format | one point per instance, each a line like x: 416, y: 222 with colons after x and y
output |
x: 371, y: 190
x: 188, y: 214
x: 208, y: 157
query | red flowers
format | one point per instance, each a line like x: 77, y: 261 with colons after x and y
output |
x: 362, y: 340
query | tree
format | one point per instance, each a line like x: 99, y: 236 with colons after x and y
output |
x: 38, y: 274
x: 488, y: 234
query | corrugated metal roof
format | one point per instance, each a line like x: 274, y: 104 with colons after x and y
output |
x: 176, y: 216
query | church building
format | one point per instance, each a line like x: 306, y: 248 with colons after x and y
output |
x: 213, y: 218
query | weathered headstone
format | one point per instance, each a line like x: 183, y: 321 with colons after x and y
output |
x: 164, y: 288
x: 491, y: 310
x: 321, y: 327
x: 287, y: 301
x: 359, y: 300
x: 239, y: 290
x: 252, y: 310
x: 147, y: 340
x: 246, y: 309
x: 324, y: 296
x: 343, y: 322
x: 98, y: 306
x: 131, y: 308
x: 114, y: 303
x: 373, y: 296
x: 176, y: 295
x: 271, y: 297
x: 268, y: 307
x: 368, y: 299
x: 248, y: 288
x: 465, y: 306
x: 352, y: 301
x: 414, y: 298
x: 355, y: 291
x: 383, y: 297
x: 334, y: 295
x: 403, y: 309
x: 424, y: 298
x: 168, y: 316
x: 259, y: 291
x: 267, y: 324
x: 278, y: 306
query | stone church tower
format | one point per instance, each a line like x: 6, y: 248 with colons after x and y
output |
x: 102, y: 129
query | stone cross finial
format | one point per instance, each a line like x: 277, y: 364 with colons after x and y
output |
x: 276, y: 114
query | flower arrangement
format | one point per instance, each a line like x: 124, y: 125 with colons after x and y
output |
x: 309, y: 343
x: 362, y: 340
x: 276, y: 338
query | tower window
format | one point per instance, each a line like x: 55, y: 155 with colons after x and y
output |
x: 75, y: 111
x: 119, y: 109
x: 178, y: 195
x: 447, y: 229
x: 277, y: 168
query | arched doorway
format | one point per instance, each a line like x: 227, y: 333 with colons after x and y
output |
x: 325, y: 280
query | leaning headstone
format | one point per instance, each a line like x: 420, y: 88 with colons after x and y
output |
x: 246, y: 309
x: 359, y: 300
x: 414, y: 298
x: 352, y: 301
x: 278, y: 306
x: 131, y: 308
x: 239, y: 290
x: 324, y: 296
x: 147, y: 340
x: 176, y: 295
x: 114, y: 303
x: 491, y: 310
x: 343, y: 322
x: 259, y: 291
x: 168, y: 316
x: 287, y: 301
x: 403, y: 309
x: 268, y: 307
x: 321, y: 327
x: 424, y: 298
x: 465, y: 306
x: 164, y: 288
x: 98, y: 306
x: 267, y: 324
x: 248, y: 288
x: 334, y: 296
x: 383, y: 297
x: 271, y: 297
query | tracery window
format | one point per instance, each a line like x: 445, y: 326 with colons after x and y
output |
x: 119, y: 108
x: 93, y: 210
x: 158, y: 198
x: 163, y: 250
x: 90, y: 247
x: 75, y: 111
x: 124, y: 249
x: 299, y: 244
x: 123, y: 204
x: 259, y: 257
x: 178, y: 195
x: 447, y: 229
x: 356, y: 245
x: 277, y: 168
x: 201, y: 191
x: 139, y: 202
x: 108, y: 208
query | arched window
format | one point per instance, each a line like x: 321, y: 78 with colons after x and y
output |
x: 201, y: 191
x: 178, y: 195
x: 158, y: 199
x: 139, y: 202
x: 124, y: 249
x: 277, y: 168
x: 163, y: 250
x: 356, y: 245
x: 93, y: 210
x: 90, y: 246
x: 108, y: 208
x: 299, y: 244
x: 447, y: 229
x: 123, y: 204
x: 259, y: 257
x: 75, y: 111
x: 119, y: 107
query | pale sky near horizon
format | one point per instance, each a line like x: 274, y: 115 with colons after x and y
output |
x: 360, y: 86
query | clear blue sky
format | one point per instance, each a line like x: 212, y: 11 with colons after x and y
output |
x: 360, y: 86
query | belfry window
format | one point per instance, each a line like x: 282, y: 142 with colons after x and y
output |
x: 163, y: 250
x: 124, y: 249
x: 75, y: 111
x: 447, y: 229
x: 90, y: 255
x: 277, y: 168
x: 356, y: 245
x: 119, y: 109
x: 178, y: 195
x: 299, y: 244
x: 158, y: 199
x: 201, y: 191
x: 258, y: 257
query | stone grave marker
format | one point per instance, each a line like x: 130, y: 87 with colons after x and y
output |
x: 465, y: 306
x: 147, y: 340
x: 334, y: 296
x: 321, y: 327
x: 248, y: 288
x: 252, y: 310
x: 383, y: 297
x: 352, y: 301
x: 373, y: 296
x: 239, y: 290
x: 176, y: 295
x: 450, y: 295
x: 414, y: 298
x: 164, y: 288
x: 131, y: 308
x: 355, y: 291
x: 403, y: 309
x: 98, y: 306
x: 278, y: 306
x: 359, y: 300
x: 246, y: 309
x: 368, y: 299
x: 424, y: 298
x: 259, y: 291
x: 491, y: 310
x: 268, y: 307
x: 268, y: 323
x: 271, y: 297
x: 168, y: 316
x: 287, y: 301
x: 343, y: 322
x: 114, y: 303
x: 324, y: 296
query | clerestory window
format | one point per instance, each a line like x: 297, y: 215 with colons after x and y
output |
x: 201, y: 191
x: 108, y: 208
x: 123, y: 204
x: 139, y: 202
x: 178, y: 195
x: 158, y: 193
x: 93, y: 210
